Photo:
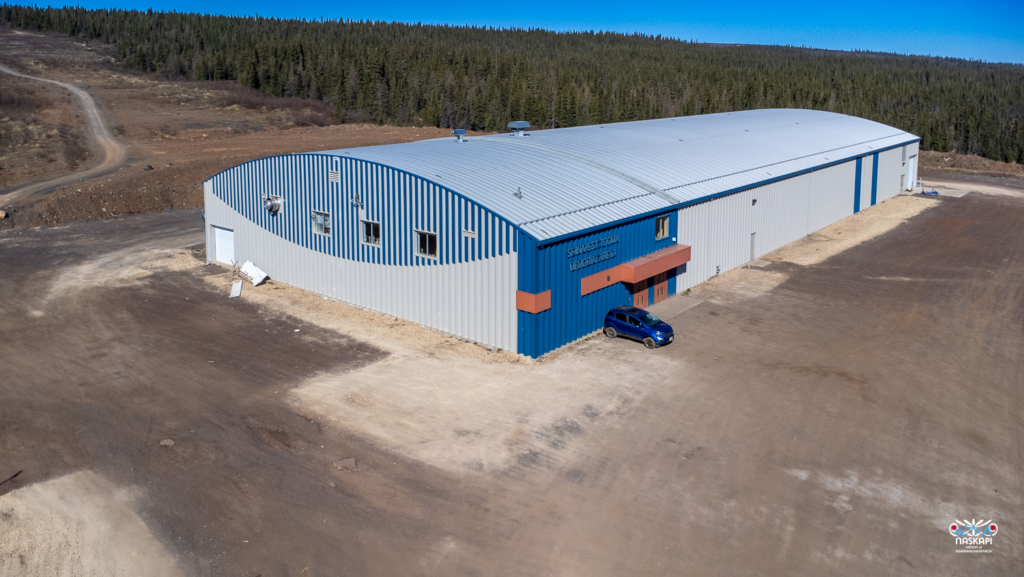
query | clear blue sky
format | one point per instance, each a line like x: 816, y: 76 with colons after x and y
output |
x: 991, y: 30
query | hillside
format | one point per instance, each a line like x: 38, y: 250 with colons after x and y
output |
x: 477, y: 78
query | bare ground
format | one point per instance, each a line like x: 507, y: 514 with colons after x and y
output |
x: 832, y: 422
x: 952, y: 163
x: 80, y: 524
x: 960, y: 184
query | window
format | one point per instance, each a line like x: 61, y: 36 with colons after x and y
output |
x: 634, y: 322
x: 649, y: 320
x: 621, y: 318
x: 426, y: 244
x: 371, y: 232
x: 321, y: 222
x: 661, y: 228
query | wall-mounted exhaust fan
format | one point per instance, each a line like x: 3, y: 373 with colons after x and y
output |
x: 460, y: 135
x: 519, y: 127
x: 273, y: 204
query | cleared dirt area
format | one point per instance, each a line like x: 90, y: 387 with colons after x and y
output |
x: 951, y: 162
x: 831, y: 422
x: 960, y: 184
x: 57, y: 527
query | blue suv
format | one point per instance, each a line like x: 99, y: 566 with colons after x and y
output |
x: 639, y: 325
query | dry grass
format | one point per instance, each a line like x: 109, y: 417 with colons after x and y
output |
x: 24, y: 100
x: 41, y: 130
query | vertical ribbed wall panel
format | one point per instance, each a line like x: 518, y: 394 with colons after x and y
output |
x: 829, y: 196
x: 560, y: 268
x: 890, y: 168
x: 718, y: 231
x: 866, y: 165
x: 913, y: 149
x: 468, y: 291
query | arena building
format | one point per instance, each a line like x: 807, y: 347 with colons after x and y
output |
x: 523, y: 241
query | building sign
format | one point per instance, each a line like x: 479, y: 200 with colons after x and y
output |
x: 590, y: 247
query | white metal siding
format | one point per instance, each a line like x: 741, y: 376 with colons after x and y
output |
x: 913, y: 154
x: 474, y: 300
x: 865, y: 181
x: 890, y: 168
x: 718, y: 231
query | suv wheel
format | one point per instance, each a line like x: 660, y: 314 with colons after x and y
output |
x: 649, y: 343
x: 610, y: 332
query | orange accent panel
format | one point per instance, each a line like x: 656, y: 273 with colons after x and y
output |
x: 533, y: 303
x: 598, y: 281
x: 647, y: 266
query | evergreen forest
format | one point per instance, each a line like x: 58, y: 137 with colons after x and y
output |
x: 482, y: 78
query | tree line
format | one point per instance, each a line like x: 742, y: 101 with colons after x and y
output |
x: 481, y: 78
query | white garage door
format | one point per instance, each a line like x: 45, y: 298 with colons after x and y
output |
x: 224, y: 242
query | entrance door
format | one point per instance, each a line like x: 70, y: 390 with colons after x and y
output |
x: 660, y: 287
x: 753, y: 246
x: 640, y: 294
x: 224, y: 244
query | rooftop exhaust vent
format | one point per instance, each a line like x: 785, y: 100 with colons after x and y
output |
x: 460, y: 135
x: 519, y: 127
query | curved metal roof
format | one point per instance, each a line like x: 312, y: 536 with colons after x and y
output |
x: 573, y: 179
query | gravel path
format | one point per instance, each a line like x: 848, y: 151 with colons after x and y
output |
x: 113, y: 152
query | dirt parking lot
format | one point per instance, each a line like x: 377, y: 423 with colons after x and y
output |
x: 822, y: 415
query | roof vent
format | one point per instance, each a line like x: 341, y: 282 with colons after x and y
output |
x: 460, y: 135
x: 519, y: 127
x: 518, y: 193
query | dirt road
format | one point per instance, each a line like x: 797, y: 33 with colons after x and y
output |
x: 113, y: 152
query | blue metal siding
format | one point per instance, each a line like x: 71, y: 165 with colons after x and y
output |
x: 400, y: 202
x: 572, y: 316
x: 673, y: 234
x: 527, y: 266
x: 874, y: 179
x: 856, y: 187
x: 467, y: 291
